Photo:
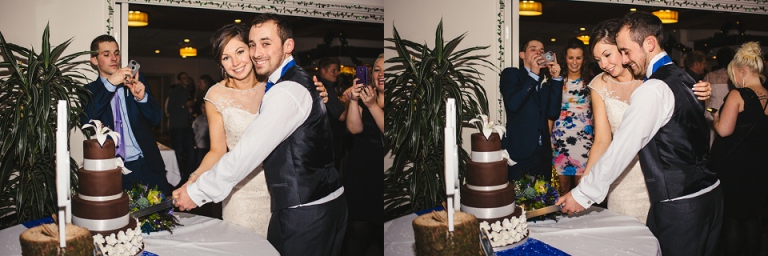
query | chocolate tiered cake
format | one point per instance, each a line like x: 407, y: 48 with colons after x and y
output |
x: 100, y: 205
x: 488, y: 194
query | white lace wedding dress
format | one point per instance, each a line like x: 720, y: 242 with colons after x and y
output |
x: 248, y: 203
x: 628, y: 194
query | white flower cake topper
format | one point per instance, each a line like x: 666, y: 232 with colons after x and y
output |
x: 487, y: 127
x: 102, y: 132
x: 101, y: 136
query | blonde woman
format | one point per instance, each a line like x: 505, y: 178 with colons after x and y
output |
x: 740, y: 146
x: 363, y: 173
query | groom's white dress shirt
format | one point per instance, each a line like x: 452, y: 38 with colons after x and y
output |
x: 651, y: 107
x: 283, y: 109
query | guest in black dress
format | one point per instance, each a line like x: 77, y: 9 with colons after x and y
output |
x: 739, y: 151
x: 364, y: 167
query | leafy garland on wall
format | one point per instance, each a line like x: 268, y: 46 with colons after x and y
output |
x: 499, y: 32
x: 352, y: 12
x: 749, y: 6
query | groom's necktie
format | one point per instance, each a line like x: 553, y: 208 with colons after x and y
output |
x: 282, y: 72
x: 119, y: 124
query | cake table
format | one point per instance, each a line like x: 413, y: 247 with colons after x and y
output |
x: 595, y: 231
x: 200, y: 235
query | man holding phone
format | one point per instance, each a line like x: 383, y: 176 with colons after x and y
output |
x: 122, y: 102
x: 531, y: 102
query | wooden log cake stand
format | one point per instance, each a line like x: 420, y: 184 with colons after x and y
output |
x: 433, y: 238
x: 39, y: 241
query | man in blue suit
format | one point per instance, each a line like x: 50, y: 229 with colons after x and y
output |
x: 122, y: 102
x: 531, y: 102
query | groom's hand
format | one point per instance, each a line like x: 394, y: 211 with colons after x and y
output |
x: 181, y: 199
x: 568, y: 204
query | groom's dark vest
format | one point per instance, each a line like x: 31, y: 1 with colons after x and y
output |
x: 300, y: 170
x: 674, y: 161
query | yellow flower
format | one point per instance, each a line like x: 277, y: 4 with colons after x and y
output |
x: 540, y: 187
x: 153, y: 197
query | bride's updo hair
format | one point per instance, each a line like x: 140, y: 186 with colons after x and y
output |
x: 748, y: 56
x: 222, y: 37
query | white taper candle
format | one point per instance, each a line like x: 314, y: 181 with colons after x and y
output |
x: 62, y: 169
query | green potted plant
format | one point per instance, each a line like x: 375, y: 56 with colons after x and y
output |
x: 415, y: 116
x: 29, y: 91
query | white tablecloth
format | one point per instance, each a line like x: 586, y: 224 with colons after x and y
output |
x: 596, y: 231
x: 171, y: 165
x: 200, y: 235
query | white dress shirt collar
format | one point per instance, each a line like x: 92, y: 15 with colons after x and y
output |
x: 649, y: 70
x: 279, y: 71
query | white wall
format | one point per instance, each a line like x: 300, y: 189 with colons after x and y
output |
x: 23, y: 23
x: 417, y: 21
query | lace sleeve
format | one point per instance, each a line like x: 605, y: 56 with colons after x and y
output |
x: 598, y: 85
x: 214, y: 96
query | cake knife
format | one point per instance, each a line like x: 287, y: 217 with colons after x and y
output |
x: 153, y: 209
x: 542, y: 211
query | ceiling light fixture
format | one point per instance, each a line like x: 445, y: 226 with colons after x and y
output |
x: 186, y: 40
x: 632, y: 9
x: 553, y: 39
x: 137, y: 19
x: 584, y: 39
x: 666, y: 16
x: 530, y: 8
x: 238, y: 21
x: 157, y: 51
x: 188, y: 52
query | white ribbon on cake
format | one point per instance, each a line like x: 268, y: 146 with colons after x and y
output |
x: 101, y: 136
x: 102, y: 225
x: 489, y: 157
x: 489, y: 213
x: 488, y: 188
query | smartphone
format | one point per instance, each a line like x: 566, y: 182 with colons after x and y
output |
x: 134, y: 67
x: 361, y: 72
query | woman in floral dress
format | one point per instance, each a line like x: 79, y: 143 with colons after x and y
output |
x: 572, y: 132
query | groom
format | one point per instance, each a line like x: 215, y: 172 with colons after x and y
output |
x: 664, y: 122
x: 291, y: 136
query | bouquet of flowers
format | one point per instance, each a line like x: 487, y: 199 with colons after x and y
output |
x: 534, y: 193
x: 140, y: 197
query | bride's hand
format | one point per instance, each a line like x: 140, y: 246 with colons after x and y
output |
x: 703, y: 90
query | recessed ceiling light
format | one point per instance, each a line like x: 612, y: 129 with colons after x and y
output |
x: 157, y: 51
x: 553, y: 39
x: 186, y: 40
x: 582, y: 29
x: 238, y: 21
x: 632, y: 9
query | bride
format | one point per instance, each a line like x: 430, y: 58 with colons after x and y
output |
x: 610, y: 94
x: 230, y: 106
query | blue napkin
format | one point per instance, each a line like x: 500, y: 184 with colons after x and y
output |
x: 422, y: 212
x: 532, y: 247
x: 37, y: 222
